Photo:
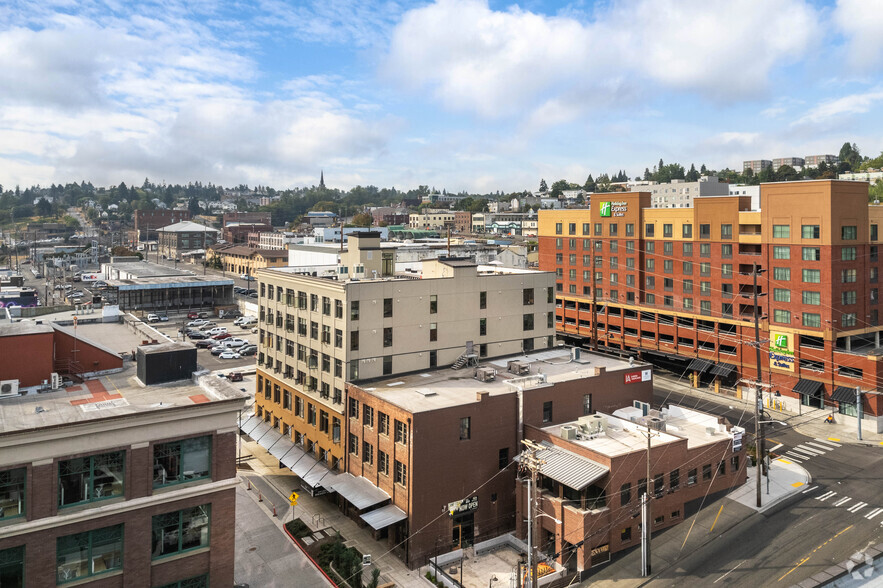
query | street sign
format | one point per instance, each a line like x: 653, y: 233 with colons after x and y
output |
x: 293, y: 499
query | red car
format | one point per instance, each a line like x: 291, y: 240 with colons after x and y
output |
x: 192, y: 315
x: 222, y: 336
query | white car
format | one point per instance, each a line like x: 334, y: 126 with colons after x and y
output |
x: 234, y: 343
x: 229, y: 355
x: 217, y: 331
x: 152, y: 318
x: 245, y: 320
x: 245, y: 277
x: 196, y: 323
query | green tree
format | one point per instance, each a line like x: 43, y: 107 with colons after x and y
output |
x: 363, y: 219
x: 589, y: 186
x: 543, y: 187
x: 193, y: 206
x: 43, y: 207
x: 875, y: 191
x: 692, y: 175
x: 558, y: 187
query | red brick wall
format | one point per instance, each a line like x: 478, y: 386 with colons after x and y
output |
x: 27, y: 358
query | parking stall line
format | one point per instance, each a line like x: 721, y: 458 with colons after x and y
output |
x: 871, y: 515
x: 842, y: 501
x: 810, y: 489
x: 857, y: 507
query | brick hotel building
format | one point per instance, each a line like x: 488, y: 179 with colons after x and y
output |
x: 675, y: 285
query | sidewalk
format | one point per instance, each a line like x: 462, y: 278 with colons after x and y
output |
x: 810, y: 423
x: 319, y: 513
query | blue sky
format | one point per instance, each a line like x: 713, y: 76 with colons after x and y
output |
x: 457, y: 94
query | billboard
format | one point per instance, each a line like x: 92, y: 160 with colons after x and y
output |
x: 782, y: 351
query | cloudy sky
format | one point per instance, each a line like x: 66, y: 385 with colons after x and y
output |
x: 459, y: 94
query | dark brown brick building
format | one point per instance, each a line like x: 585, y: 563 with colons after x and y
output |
x: 148, y: 221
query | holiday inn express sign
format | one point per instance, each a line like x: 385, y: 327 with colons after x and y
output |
x: 612, y: 208
x: 782, y: 351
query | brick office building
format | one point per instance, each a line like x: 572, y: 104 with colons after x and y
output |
x: 113, y: 484
x: 148, y: 221
x: 676, y: 284
x: 237, y: 225
x: 438, y: 441
x: 595, y: 474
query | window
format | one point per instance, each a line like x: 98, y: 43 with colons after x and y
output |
x: 650, y: 247
x: 704, y: 231
x: 781, y: 316
x: 674, y: 480
x: 527, y: 296
x: 401, y: 473
x: 687, y: 231
x: 482, y: 300
x: 571, y: 229
x: 726, y: 231
x: 848, y: 297
x: 811, y: 319
x: 688, y: 286
x: 367, y: 452
x: 650, y: 282
x: 782, y: 273
x: 503, y: 462
x: 401, y: 432
x: 587, y: 404
x: 88, y: 554
x: 482, y: 327
x: 12, y: 498
x: 849, y: 232
x: 353, y: 446
x: 465, y: 428
x: 625, y: 493
x: 12, y: 567
x: 433, y: 304
x: 667, y: 266
x: 323, y: 421
x: 687, y: 268
x: 354, y: 310
x: 667, y: 231
x: 387, y: 307
x: 705, y: 268
x: 811, y: 254
x: 692, y: 477
x: 649, y: 230
x: 727, y: 250
x: 687, y: 249
x: 354, y: 341
x: 182, y: 461
x: 613, y: 229
x: 311, y: 413
x: 706, y: 472
x: 85, y: 479
x: 625, y: 535
x: 781, y: 295
x: 527, y: 322
x: 847, y: 276
x: 849, y: 253
x: 873, y: 232
x: 809, y: 231
x: 848, y: 319
x: 196, y: 582
x: 781, y: 252
x: 387, y: 336
x: 705, y: 250
x: 651, y: 264
x: 180, y: 531
x: 433, y: 331
x: 387, y: 365
x: 368, y: 415
x: 781, y: 231
x: 688, y: 303
x: 559, y: 228
x: 813, y: 276
x: 547, y: 411
x: 630, y: 229
x: 727, y: 270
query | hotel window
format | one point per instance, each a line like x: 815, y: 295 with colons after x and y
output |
x: 687, y: 249
x: 812, y: 276
x: 629, y: 229
x: 667, y: 231
x: 12, y: 494
x: 727, y: 231
x: 809, y: 231
x: 727, y: 270
x: 86, y: 479
x: 781, y: 295
x: 614, y: 246
x: 527, y: 322
x: 687, y: 268
x: 705, y: 268
x: 727, y: 250
x: 704, y: 231
x: 873, y: 254
x: 571, y: 229
x: 668, y: 248
x: 651, y: 264
x: 687, y: 231
x: 586, y: 227
x: 704, y: 250
x: 688, y: 286
x: 781, y: 316
x: 629, y: 246
x: 781, y: 231
x: 180, y: 531
x: 527, y: 296
x: 849, y: 232
x: 599, y: 245
x: 354, y: 310
x: 559, y: 243
x: 613, y: 229
x: 614, y: 262
x: 88, y: 554
x: 812, y: 319
x: 650, y: 282
x: 848, y: 297
x: 848, y: 319
x: 705, y: 288
x: 650, y: 247
x: 559, y: 228
x: 781, y: 252
x: 387, y: 336
x: 873, y: 275
x: 847, y: 276
x: 181, y: 461
x: 649, y: 230
x: 811, y: 254
x: 782, y: 273
x: 599, y: 229
x: 849, y: 254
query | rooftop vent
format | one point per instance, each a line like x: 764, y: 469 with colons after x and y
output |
x: 568, y: 432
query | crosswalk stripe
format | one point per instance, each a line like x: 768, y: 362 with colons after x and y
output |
x: 794, y: 456
x: 873, y: 513
x: 810, y: 489
x: 821, y: 447
x: 857, y: 507
x: 809, y: 450
x: 827, y: 442
x: 804, y: 455
x: 776, y: 447
x: 826, y: 495
x: 842, y: 501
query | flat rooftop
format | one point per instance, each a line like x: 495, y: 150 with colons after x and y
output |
x: 145, y: 269
x: 623, y: 436
x: 114, y: 395
x: 445, y: 387
x: 24, y: 328
x: 170, y: 281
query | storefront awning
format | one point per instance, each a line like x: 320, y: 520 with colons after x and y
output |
x: 808, y: 387
x: 359, y: 492
x: 700, y: 365
x: 320, y: 475
x: 262, y: 429
x: 844, y: 395
x: 291, y: 457
x: 568, y: 468
x: 249, y: 425
x: 384, y: 516
x: 281, y: 447
x: 268, y: 440
x: 722, y: 369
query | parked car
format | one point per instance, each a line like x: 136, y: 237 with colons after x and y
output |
x: 245, y: 320
x: 163, y: 318
x: 253, y: 295
x: 197, y: 323
x: 152, y: 318
x: 192, y: 315
x: 208, y: 326
x: 235, y: 376
x: 217, y: 330
x: 220, y: 336
x: 197, y: 335
x: 239, y: 289
x: 245, y: 277
x: 234, y: 342
x: 203, y: 314
x: 229, y: 354
x: 232, y: 314
x: 218, y: 349
x: 205, y: 344
x: 248, y: 350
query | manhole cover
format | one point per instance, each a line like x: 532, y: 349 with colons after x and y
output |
x: 252, y: 549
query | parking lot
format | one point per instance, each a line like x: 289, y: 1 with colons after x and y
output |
x: 205, y: 358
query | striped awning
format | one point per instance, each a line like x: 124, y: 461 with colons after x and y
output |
x: 808, y: 387
x: 700, y: 365
x: 844, y: 395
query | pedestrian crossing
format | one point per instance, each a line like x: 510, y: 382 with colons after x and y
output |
x: 808, y: 450
x: 853, y: 506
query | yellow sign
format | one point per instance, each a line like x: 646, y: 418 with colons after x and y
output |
x: 782, y: 351
x: 293, y: 499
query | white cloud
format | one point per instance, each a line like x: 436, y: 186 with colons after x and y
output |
x: 497, y: 63
x: 839, y: 107
x: 861, y: 22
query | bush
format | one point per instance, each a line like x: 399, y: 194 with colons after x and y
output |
x: 297, y: 528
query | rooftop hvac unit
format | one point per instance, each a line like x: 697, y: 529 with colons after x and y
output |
x: 8, y: 388
x: 710, y: 431
x: 593, y: 424
x: 485, y: 374
x: 519, y: 368
x: 55, y: 381
x: 655, y: 423
x: 568, y: 432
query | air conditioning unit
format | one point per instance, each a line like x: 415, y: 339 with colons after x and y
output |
x: 593, y: 424
x: 8, y: 388
x: 568, y: 432
x: 55, y: 381
x: 519, y: 368
x: 485, y: 374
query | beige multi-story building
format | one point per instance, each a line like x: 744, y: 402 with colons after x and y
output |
x: 317, y: 333
x: 433, y: 220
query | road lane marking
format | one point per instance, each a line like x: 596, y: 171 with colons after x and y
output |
x: 776, y: 447
x: 821, y: 447
x: 809, y: 450
x: 842, y: 501
x: 829, y: 441
x: 806, y: 559
x: 794, y: 457
x: 810, y: 489
x: 833, y: 439
x: 826, y: 495
x: 857, y: 507
x: 730, y: 572
x: 873, y: 513
x: 715, y: 522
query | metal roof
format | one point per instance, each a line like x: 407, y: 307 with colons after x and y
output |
x: 722, y: 369
x: 568, y: 468
x: 700, y: 365
x: 292, y: 456
x: 384, y: 516
x: 358, y: 491
x: 281, y: 447
x: 809, y: 387
x: 251, y: 424
x: 844, y: 394
x: 260, y: 430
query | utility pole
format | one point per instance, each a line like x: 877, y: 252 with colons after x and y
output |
x: 594, y: 301
x: 758, y: 395
x: 858, y: 410
x: 646, y: 521
x: 530, y: 462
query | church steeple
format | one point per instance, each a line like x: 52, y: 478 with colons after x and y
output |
x: 322, y: 180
